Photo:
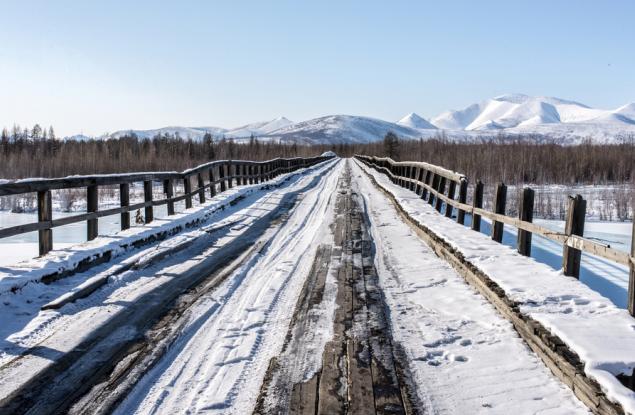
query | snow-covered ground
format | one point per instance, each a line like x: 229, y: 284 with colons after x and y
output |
x: 465, y: 358
x: 220, y: 360
x: 461, y: 355
x: 586, y: 320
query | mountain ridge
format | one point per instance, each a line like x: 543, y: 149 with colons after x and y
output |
x: 518, y: 115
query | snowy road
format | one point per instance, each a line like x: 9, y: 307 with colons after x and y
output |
x: 309, y: 297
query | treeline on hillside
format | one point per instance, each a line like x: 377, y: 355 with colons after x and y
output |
x: 517, y: 161
x: 28, y: 153
x: 28, y: 157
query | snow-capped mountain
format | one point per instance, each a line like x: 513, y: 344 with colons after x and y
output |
x: 543, y: 118
x: 413, y: 120
x: 342, y: 129
x: 258, y: 128
x: 195, y: 133
x: 553, y: 117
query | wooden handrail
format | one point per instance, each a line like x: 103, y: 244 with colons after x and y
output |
x: 264, y: 170
x: 576, y: 242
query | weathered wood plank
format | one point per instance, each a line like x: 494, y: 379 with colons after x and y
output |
x: 526, y: 214
x: 92, y: 202
x: 500, y: 199
x: 124, y: 201
x: 147, y: 196
x: 45, y: 214
x: 574, y: 225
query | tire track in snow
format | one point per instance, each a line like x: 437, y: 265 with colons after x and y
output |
x: 463, y: 356
x: 218, y: 367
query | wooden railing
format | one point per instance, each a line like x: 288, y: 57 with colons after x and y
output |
x: 429, y: 182
x: 215, y: 176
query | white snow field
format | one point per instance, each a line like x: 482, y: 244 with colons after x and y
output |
x: 205, y: 312
x: 602, y: 334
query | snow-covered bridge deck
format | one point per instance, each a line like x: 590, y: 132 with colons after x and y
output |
x: 311, y: 293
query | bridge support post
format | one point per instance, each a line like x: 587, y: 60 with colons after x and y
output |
x: 187, y: 189
x: 526, y: 214
x: 460, y: 216
x: 201, y: 188
x: 221, y: 177
x: 499, y: 207
x: 45, y: 214
x: 434, y: 185
x: 441, y: 190
x: 477, y: 202
x: 230, y: 173
x: 212, y: 185
x: 451, y: 192
x: 419, y: 180
x: 574, y: 225
x: 124, y: 200
x: 92, y: 202
x: 424, y: 192
x: 168, y: 189
x: 147, y: 196
x: 413, y: 175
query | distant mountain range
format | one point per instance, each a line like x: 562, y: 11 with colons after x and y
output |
x: 542, y: 118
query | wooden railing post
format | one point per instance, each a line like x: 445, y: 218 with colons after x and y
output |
x: 221, y: 177
x: 424, y: 192
x: 258, y: 169
x: 147, y: 196
x: 526, y: 214
x: 212, y: 185
x: 124, y: 200
x: 168, y: 187
x: 441, y: 190
x: 477, y: 202
x: 418, y: 187
x: 251, y: 174
x: 413, y: 175
x: 435, y: 184
x: 187, y: 189
x: 460, y: 216
x: 92, y: 202
x: 45, y: 214
x: 240, y: 172
x: 451, y: 192
x: 574, y: 225
x: 229, y: 175
x: 500, y: 200
x: 201, y: 188
x: 631, y: 276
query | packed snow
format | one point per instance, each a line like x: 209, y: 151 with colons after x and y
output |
x: 464, y: 356
x: 589, y: 323
x: 219, y: 363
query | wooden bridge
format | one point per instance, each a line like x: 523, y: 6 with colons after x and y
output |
x: 332, y: 232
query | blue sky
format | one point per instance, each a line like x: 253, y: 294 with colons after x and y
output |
x: 95, y: 67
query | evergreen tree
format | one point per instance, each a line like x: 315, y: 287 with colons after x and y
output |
x: 391, y: 145
x: 51, y: 133
x: 36, y: 132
